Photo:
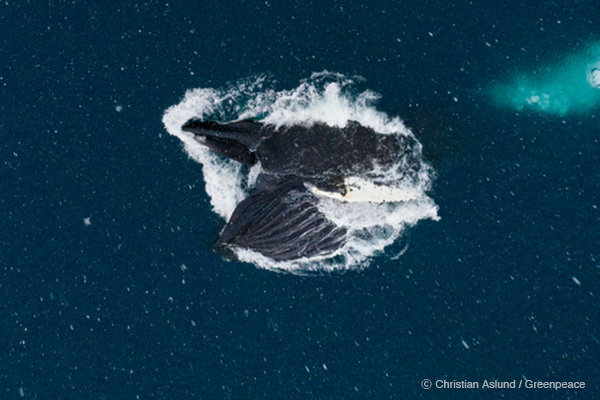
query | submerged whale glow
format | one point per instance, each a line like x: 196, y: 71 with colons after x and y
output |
x: 569, y: 86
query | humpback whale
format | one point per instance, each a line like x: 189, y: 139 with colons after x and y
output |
x: 299, y: 163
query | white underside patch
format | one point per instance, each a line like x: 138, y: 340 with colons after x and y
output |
x: 360, y: 190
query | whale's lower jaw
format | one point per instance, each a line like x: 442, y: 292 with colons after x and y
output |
x: 359, y: 190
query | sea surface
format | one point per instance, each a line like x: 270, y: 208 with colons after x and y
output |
x: 108, y: 286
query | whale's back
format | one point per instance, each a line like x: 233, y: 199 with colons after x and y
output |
x: 320, y: 151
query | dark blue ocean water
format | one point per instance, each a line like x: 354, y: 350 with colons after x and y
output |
x: 135, y: 306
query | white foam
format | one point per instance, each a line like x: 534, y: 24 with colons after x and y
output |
x: 223, y: 177
x: 327, y: 98
x: 324, y: 97
x: 594, y: 77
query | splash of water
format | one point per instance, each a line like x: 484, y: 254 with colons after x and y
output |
x: 570, y: 86
x: 326, y: 98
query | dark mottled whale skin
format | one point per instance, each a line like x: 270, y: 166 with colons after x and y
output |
x: 279, y: 219
x: 280, y: 222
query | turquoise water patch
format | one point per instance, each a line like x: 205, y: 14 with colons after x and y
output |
x: 569, y: 86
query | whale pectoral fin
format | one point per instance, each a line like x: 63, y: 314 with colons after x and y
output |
x: 282, y: 223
